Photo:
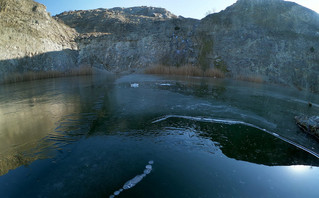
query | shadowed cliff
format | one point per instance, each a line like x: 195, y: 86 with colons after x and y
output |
x: 272, y: 38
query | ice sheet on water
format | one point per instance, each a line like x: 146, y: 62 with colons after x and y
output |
x: 233, y: 122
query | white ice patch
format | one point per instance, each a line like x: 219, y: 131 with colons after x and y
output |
x: 131, y: 183
x: 134, y: 85
x: 147, y: 171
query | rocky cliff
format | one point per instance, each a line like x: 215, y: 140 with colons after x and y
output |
x: 30, y: 39
x: 121, y: 39
x: 275, y: 39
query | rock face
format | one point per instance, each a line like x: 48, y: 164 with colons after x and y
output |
x: 272, y: 38
x: 275, y: 39
x: 121, y: 39
x: 31, y: 40
x: 309, y: 125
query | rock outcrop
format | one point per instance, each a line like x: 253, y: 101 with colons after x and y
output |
x: 31, y: 40
x: 309, y: 125
x: 274, y: 39
x: 121, y: 39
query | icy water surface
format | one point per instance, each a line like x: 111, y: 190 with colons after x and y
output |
x: 152, y: 136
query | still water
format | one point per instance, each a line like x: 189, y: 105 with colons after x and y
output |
x: 155, y: 136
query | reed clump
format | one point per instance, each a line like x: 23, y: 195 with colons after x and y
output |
x: 33, y: 75
x: 186, y: 70
x: 250, y: 78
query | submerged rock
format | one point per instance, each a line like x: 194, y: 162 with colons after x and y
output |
x: 309, y: 124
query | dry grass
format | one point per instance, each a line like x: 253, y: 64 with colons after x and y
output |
x: 186, y: 70
x: 252, y: 78
x: 29, y: 76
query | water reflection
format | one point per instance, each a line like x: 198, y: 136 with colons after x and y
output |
x: 42, y: 115
x: 22, y: 127
x: 300, y: 169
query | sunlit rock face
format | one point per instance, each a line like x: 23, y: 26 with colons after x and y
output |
x: 31, y: 40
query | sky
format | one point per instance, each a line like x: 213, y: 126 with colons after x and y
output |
x: 186, y: 8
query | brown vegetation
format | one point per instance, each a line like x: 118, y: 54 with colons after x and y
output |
x: 252, y: 78
x: 186, y: 70
x: 28, y: 76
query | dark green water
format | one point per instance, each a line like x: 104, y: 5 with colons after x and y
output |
x: 151, y: 136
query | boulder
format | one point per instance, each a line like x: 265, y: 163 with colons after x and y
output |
x: 309, y: 125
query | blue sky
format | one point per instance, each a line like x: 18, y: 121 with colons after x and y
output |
x: 187, y: 8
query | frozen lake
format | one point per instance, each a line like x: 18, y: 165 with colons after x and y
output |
x: 155, y: 136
